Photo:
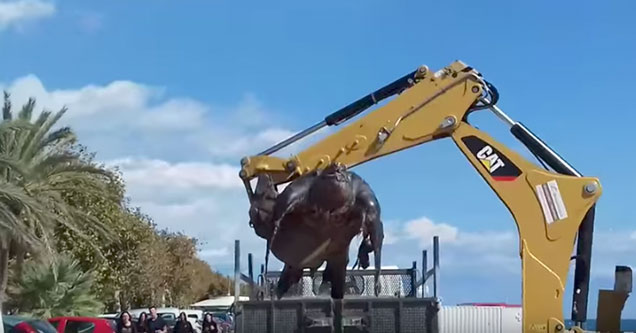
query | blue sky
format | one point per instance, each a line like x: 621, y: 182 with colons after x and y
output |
x: 175, y: 94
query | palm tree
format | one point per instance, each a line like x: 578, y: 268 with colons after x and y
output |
x: 54, y: 287
x: 37, y: 166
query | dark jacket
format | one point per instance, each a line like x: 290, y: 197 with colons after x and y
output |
x: 121, y: 327
x: 183, y: 327
x: 142, y: 326
x: 209, y: 327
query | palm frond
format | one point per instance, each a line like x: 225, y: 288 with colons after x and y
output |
x: 27, y: 137
x: 14, y: 201
x: 10, y: 224
x: 54, y: 286
x: 48, y: 163
x: 27, y: 110
x: 44, y: 115
x: 6, y: 107
x: 42, y: 129
x: 17, y: 124
x: 13, y: 165
x: 12, y: 135
x: 84, y: 175
x: 62, y: 137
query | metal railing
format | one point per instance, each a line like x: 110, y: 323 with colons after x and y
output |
x: 358, y: 282
x: 407, y: 282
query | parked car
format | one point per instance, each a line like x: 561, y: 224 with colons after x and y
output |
x: 83, y: 325
x: 112, y: 318
x: 19, y: 324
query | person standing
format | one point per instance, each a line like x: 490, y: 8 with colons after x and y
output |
x: 125, y: 323
x: 209, y: 325
x: 156, y: 324
x: 183, y: 325
x: 142, y: 323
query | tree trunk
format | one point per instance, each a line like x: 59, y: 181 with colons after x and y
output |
x: 118, y: 300
x: 4, y: 275
x: 19, y: 261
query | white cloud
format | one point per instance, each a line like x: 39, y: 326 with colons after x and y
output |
x: 129, y: 118
x: 423, y: 229
x: 460, y: 250
x: 158, y: 173
x: 390, y: 237
x: 245, y: 145
x: 175, y: 114
x: 116, y: 99
x: 17, y: 13
x: 250, y: 111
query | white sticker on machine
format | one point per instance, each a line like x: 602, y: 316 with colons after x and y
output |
x: 551, y: 202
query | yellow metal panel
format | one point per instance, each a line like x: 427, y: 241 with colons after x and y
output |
x: 545, y: 247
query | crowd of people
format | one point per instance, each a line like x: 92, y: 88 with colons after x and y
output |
x: 155, y: 324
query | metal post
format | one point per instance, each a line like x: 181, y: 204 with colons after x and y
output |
x: 424, y: 272
x: 250, y: 267
x: 413, y: 292
x: 337, y: 316
x: 237, y: 271
x: 435, y: 265
x: 251, y: 275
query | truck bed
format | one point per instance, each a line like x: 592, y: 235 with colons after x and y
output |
x: 353, y: 314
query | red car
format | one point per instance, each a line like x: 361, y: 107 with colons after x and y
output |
x: 19, y: 324
x: 82, y: 325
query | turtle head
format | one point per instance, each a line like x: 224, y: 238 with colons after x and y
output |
x: 332, y: 190
x: 337, y: 172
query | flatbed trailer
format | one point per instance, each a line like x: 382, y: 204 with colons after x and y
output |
x: 402, y: 305
x: 352, y: 314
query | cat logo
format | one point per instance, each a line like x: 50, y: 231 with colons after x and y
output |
x: 498, y: 165
x: 490, y: 159
x: 538, y: 327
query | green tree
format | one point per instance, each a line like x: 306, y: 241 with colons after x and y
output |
x: 37, y: 164
x: 115, y: 261
x: 206, y: 282
x: 54, y: 197
x: 146, y: 264
x: 179, y: 274
x: 54, y: 287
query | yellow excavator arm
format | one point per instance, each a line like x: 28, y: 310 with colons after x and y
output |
x: 550, y: 207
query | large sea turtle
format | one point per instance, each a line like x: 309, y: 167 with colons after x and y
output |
x: 313, y: 220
